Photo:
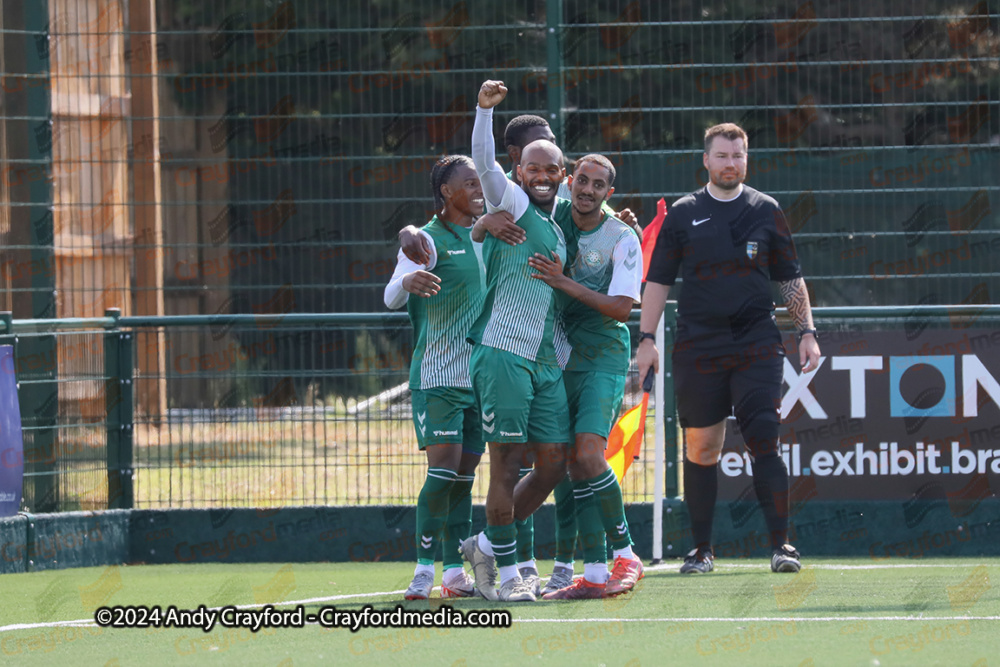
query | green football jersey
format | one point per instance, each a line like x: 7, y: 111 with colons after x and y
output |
x: 599, y: 343
x: 440, y: 351
x: 518, y: 314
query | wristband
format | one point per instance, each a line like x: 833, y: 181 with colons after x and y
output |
x: 814, y: 333
x: 643, y: 335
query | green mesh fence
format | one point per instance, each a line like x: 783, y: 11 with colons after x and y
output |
x: 264, y: 421
x: 292, y: 140
x: 259, y: 157
x: 273, y: 426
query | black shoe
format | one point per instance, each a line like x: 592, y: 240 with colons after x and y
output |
x: 785, y: 559
x: 698, y: 561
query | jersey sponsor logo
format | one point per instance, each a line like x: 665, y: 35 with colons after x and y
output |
x: 446, y: 432
x: 456, y: 252
x: 752, y: 249
x: 695, y: 223
x: 593, y: 258
x: 511, y: 435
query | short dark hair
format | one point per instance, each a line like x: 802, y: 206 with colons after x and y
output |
x: 730, y: 131
x: 600, y: 161
x: 518, y: 127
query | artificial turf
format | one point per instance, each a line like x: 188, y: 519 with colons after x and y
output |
x: 835, y: 612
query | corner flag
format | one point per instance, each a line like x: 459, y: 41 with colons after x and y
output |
x: 625, y: 439
x: 650, y: 234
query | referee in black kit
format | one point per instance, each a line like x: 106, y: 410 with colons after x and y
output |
x: 728, y: 241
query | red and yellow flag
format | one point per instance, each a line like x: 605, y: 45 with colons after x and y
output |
x: 650, y: 234
x: 625, y: 439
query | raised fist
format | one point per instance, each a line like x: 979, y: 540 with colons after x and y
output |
x: 491, y: 93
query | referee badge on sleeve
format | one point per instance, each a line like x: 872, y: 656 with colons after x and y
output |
x: 752, y: 249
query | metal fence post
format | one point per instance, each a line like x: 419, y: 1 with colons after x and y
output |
x: 118, y: 348
x: 39, y: 106
x: 669, y: 423
x: 32, y: 224
x: 553, y: 42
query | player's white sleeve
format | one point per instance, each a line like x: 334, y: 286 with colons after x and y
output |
x: 626, y: 274
x: 395, y: 296
x: 500, y: 192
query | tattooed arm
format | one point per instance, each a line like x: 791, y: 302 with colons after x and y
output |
x: 797, y: 301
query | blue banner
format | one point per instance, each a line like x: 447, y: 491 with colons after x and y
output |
x: 11, y: 442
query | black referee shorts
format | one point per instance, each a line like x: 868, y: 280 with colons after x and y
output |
x: 711, y: 385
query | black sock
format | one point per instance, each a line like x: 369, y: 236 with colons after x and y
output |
x: 701, y: 487
x: 770, y: 482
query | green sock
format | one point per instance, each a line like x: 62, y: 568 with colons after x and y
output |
x: 432, y: 510
x: 609, y: 499
x: 504, y: 541
x: 525, y: 539
x: 588, y: 518
x: 565, y: 521
x: 459, y: 525
x: 525, y: 532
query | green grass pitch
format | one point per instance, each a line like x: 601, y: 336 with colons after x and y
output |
x: 834, y: 612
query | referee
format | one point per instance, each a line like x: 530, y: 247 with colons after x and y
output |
x: 727, y: 242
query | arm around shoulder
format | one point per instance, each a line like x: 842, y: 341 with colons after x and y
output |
x: 397, y: 291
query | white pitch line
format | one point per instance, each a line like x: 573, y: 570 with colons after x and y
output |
x: 676, y: 619
x: 329, y: 598
x: 834, y: 566
x: 759, y: 619
x: 766, y: 567
x: 89, y: 622
x: 50, y: 624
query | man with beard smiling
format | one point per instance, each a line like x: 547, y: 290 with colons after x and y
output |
x: 515, y: 374
x: 596, y: 294
x: 728, y: 242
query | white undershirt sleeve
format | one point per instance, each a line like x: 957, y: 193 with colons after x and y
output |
x: 395, y: 296
x: 500, y: 192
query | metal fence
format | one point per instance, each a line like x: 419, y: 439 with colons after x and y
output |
x: 209, y: 157
x: 257, y: 158
x: 276, y: 430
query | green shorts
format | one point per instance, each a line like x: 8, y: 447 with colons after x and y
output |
x: 521, y: 400
x: 447, y: 416
x: 595, y: 397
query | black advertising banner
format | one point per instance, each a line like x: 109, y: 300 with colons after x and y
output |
x: 888, y: 415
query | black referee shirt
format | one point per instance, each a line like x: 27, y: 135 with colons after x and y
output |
x: 727, y: 252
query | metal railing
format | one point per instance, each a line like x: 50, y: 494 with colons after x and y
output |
x: 258, y: 411
x: 273, y: 410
